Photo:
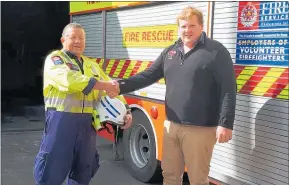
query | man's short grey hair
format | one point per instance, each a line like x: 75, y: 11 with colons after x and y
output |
x: 71, y: 25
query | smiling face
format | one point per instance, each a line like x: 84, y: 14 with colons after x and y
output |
x: 73, y: 41
x: 190, y: 30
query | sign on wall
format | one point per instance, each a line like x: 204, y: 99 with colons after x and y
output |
x: 149, y: 36
x: 262, y: 34
x: 77, y: 7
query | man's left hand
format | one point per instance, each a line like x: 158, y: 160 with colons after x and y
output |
x: 223, y: 134
x: 127, y: 121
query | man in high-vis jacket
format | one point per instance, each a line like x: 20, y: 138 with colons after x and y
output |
x: 72, y: 85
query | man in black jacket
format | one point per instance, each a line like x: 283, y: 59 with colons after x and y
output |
x: 200, y: 99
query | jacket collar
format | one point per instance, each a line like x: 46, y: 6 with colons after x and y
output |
x: 71, y: 55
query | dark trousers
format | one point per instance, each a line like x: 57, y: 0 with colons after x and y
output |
x: 68, y: 149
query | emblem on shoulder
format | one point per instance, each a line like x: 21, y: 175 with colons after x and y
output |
x: 57, y: 60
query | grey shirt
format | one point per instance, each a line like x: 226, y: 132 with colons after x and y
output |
x: 200, y: 85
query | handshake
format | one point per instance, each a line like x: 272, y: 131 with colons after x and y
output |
x: 112, y: 88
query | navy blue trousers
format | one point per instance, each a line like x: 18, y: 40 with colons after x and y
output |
x: 68, y: 150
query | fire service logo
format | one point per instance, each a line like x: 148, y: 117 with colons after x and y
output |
x: 248, y: 15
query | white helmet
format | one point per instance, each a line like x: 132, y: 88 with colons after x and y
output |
x: 110, y: 110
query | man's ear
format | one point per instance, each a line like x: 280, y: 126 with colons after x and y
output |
x: 62, y: 40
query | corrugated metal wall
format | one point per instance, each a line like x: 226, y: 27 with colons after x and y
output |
x: 258, y: 153
x: 225, y: 25
x: 92, y: 24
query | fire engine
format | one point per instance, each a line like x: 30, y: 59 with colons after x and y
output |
x: 126, y: 37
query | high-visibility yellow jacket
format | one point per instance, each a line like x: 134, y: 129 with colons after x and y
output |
x: 67, y: 87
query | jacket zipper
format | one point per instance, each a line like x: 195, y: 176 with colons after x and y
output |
x: 82, y: 71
